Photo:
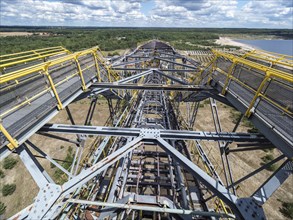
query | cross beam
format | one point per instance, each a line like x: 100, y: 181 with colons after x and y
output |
x: 164, y: 87
x: 153, y: 133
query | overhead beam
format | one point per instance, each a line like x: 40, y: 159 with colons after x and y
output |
x: 145, y: 69
x: 160, y: 87
x: 166, y: 134
x: 179, y: 64
x: 152, y: 208
x: 131, y: 62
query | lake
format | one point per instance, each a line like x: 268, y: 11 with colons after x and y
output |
x: 276, y: 46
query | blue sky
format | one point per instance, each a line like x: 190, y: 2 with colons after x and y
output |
x: 149, y: 13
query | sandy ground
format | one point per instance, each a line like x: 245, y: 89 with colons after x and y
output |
x: 241, y: 163
x: 6, y: 34
x: 26, y: 188
x: 228, y: 41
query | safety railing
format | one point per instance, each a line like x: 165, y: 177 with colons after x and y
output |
x: 30, y: 83
x: 9, y: 60
x: 272, y: 58
x: 263, y: 82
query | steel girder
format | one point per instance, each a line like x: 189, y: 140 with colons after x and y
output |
x: 52, y: 198
x: 165, y: 134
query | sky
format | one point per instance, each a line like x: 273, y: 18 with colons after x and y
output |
x: 149, y: 13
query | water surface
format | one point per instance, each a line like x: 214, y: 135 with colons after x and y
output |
x: 276, y: 46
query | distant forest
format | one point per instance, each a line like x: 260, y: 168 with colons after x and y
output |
x: 110, y: 39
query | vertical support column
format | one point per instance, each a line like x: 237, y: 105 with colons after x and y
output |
x: 97, y: 66
x: 248, y: 111
x: 80, y: 73
x: 228, y: 77
x: 60, y: 106
x: 12, y: 142
x: 221, y: 144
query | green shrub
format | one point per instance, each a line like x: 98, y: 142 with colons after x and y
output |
x: 2, y: 208
x: 52, y: 166
x: 9, y: 163
x: 207, y: 101
x: 8, y: 189
x: 267, y: 158
x: 2, y: 175
x: 235, y: 115
x: 287, y: 209
x: 59, y: 176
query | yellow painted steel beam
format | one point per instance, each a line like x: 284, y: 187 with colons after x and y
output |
x: 34, y: 53
x: 256, y: 95
x: 267, y: 70
x: 39, y: 67
x: 230, y: 71
x: 97, y: 66
x: 43, y: 68
x: 60, y: 105
x: 80, y: 73
x: 12, y: 142
x: 27, y: 101
x: 29, y: 58
x: 269, y: 74
x: 29, y: 51
x: 273, y: 60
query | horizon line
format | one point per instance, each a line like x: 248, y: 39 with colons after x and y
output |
x: 68, y: 26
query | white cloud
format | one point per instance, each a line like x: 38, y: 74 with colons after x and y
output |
x: 174, y: 13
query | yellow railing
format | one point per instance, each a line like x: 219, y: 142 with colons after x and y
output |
x: 273, y: 58
x: 27, y: 56
x: 16, y: 78
x: 268, y: 75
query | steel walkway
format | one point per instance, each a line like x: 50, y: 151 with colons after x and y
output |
x: 263, y: 94
x: 144, y: 166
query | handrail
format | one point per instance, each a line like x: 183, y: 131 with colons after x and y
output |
x: 39, y: 67
x: 29, y: 51
x: 43, y: 68
x: 284, y: 60
x: 269, y: 74
x: 27, y: 56
x: 35, y: 53
x: 267, y: 70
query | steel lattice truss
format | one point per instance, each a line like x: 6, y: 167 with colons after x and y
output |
x: 143, y: 167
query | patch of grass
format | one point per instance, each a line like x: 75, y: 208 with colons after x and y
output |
x: 266, y: 159
x: 201, y: 105
x: 2, y: 175
x: 252, y: 130
x: 2, y: 208
x: 236, y: 116
x: 8, y: 189
x: 113, y: 54
x: 52, y: 166
x: 287, y: 209
x: 207, y: 101
x: 9, y: 163
x: 59, y: 176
